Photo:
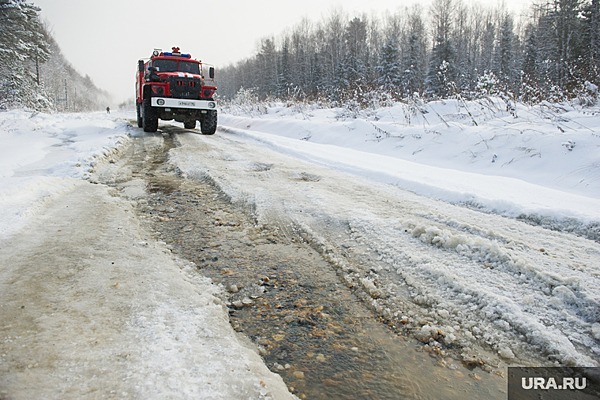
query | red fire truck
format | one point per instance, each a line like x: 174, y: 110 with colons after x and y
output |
x: 173, y: 86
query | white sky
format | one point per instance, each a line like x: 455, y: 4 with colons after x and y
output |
x: 104, y: 39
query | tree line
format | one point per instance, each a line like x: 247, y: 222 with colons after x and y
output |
x: 33, y: 71
x: 447, y: 49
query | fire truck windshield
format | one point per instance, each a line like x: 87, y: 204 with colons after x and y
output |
x: 177, y: 66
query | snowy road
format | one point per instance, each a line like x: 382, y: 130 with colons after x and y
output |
x: 91, y: 305
x: 451, y: 276
x: 469, y: 283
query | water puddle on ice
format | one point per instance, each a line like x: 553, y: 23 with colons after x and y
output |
x: 309, y: 327
x: 327, y: 345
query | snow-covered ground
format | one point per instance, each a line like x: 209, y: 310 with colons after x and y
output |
x: 542, y: 160
x: 429, y: 194
x: 44, y: 155
x: 479, y: 277
x: 91, y: 306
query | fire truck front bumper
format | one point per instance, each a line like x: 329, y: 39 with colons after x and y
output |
x: 167, y: 102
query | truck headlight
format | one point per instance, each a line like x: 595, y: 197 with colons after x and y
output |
x: 160, y: 102
x: 211, y: 104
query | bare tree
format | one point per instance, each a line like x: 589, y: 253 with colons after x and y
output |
x: 442, y: 51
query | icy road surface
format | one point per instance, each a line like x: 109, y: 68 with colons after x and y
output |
x: 452, y: 277
x: 92, y: 305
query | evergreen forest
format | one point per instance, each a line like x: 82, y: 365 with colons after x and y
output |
x: 33, y: 72
x: 447, y: 49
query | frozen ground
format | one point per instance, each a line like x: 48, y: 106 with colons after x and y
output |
x: 90, y: 305
x: 432, y: 211
x: 477, y: 274
x: 541, y: 160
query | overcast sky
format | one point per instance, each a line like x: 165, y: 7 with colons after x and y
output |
x: 105, y: 38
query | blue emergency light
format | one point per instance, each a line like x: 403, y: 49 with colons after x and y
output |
x: 169, y: 54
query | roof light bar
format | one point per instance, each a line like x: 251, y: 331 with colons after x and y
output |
x: 170, y: 54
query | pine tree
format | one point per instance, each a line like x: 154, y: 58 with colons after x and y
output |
x: 414, y: 57
x: 390, y: 72
x: 594, y: 33
x: 353, y: 66
x: 285, y: 78
x: 590, y: 41
x: 302, y: 47
x: 506, y: 65
x: 442, y: 75
x: 568, y: 24
x: 530, y: 71
x: 487, y: 46
x: 267, y: 74
x: 23, y: 46
x: 331, y: 55
x: 462, y: 38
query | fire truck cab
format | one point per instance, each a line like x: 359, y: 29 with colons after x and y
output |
x: 173, y: 86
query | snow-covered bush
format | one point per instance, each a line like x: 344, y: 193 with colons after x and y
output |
x: 587, y: 95
x: 245, y: 102
x: 487, y: 84
x: 414, y: 106
x: 351, y: 109
x: 379, y: 98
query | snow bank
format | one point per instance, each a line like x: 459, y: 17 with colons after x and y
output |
x: 538, y: 161
x: 42, y: 153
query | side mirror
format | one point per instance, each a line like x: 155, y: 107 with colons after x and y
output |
x: 141, y: 65
x: 211, y: 72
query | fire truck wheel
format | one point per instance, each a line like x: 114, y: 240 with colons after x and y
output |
x: 139, y: 116
x: 189, y: 124
x: 149, y: 118
x: 209, y: 123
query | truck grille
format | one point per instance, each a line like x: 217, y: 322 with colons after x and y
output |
x: 185, y: 88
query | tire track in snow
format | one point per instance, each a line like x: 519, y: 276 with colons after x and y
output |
x: 524, y: 293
